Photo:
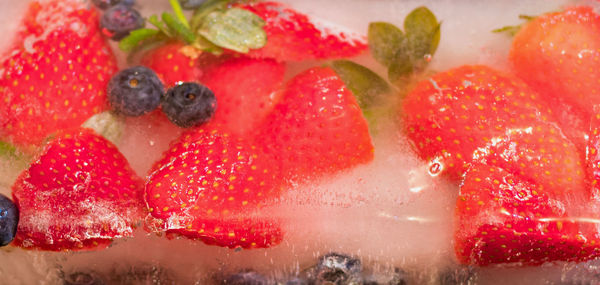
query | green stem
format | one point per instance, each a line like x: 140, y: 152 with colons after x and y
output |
x: 179, y: 13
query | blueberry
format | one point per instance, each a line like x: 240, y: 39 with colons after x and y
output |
x: 105, y: 4
x: 335, y: 268
x: 83, y: 278
x: 191, y: 4
x: 246, y: 277
x: 142, y: 274
x: 118, y: 21
x: 135, y: 91
x: 9, y: 219
x: 397, y: 277
x: 459, y: 276
x: 189, y: 104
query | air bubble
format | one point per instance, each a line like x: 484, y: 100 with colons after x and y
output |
x: 435, y: 168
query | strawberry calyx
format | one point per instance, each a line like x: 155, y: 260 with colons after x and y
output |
x: 405, y: 53
x: 513, y: 30
x: 214, y: 26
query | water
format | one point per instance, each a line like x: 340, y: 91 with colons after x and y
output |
x: 391, y: 213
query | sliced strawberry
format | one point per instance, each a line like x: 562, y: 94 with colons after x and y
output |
x: 557, y: 54
x: 80, y: 193
x: 502, y: 218
x: 453, y: 113
x: 317, y: 128
x: 292, y: 36
x: 246, y: 91
x: 55, y: 76
x: 209, y: 183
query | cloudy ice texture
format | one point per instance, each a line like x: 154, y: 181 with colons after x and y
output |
x: 390, y: 213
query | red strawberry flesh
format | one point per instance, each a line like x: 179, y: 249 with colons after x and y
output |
x: 54, y: 77
x: 208, y: 180
x: 453, y: 113
x: 317, y: 128
x: 504, y: 219
x: 78, y: 194
x: 292, y: 36
x: 246, y: 91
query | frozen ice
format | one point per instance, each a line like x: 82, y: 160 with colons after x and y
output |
x: 393, y: 213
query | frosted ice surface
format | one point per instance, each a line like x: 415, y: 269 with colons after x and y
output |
x: 391, y: 213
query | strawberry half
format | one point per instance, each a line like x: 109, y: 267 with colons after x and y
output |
x: 501, y: 218
x: 246, y: 91
x: 292, y: 36
x: 79, y: 193
x: 557, y: 54
x: 55, y: 76
x: 317, y: 128
x: 209, y: 183
x: 453, y: 113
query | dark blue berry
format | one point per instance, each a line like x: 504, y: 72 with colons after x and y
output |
x: 189, y: 104
x: 463, y: 275
x: 141, y: 274
x: 9, y: 219
x: 135, y: 91
x: 118, y: 21
x: 396, y: 277
x: 83, y: 278
x: 335, y: 268
x: 246, y: 277
x: 105, y: 4
x: 191, y: 4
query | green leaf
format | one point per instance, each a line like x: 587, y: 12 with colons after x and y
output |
x: 107, y: 124
x: 135, y: 38
x: 179, y: 28
x: 401, y: 68
x: 205, y: 9
x: 384, y: 40
x: 367, y: 86
x: 8, y: 150
x: 423, y: 33
x: 236, y: 29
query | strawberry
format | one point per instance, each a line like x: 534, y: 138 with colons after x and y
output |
x: 246, y: 91
x: 502, y: 218
x: 244, y: 87
x: 453, y: 113
x: 317, y: 128
x: 540, y: 154
x: 292, y: 36
x: 206, y: 181
x: 55, y: 75
x: 557, y: 54
x: 79, y: 193
x: 175, y: 62
x: 593, y: 156
x: 212, y: 184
